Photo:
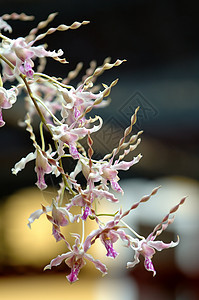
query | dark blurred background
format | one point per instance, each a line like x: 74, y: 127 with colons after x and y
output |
x: 160, y: 41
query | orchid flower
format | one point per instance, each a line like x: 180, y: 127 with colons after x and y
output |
x: 60, y: 217
x: 41, y: 157
x: 146, y: 247
x: 109, y: 172
x: 5, y: 26
x: 85, y: 198
x: 42, y: 166
x: 103, y: 171
x: 68, y: 135
x: 75, y: 260
x: 7, y: 99
x: 76, y: 101
x: 108, y: 235
x: 21, y: 54
x: 63, y: 112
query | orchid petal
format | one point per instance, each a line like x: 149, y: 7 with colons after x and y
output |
x: 2, y: 123
x: 39, y: 51
x: 109, y: 247
x: 116, y: 187
x: 21, y: 164
x: 87, y: 243
x: 36, y: 214
x: 58, y: 260
x: 159, y: 245
x: 87, y: 212
x: 124, y: 165
x: 72, y: 277
x: 104, y: 194
x: 135, y: 262
x: 98, y: 264
x: 5, y: 26
x: 149, y: 265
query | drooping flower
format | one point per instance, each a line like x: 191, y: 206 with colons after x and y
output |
x: 60, y: 217
x: 42, y: 166
x: 22, y: 54
x: 146, y: 247
x: 86, y: 197
x: 68, y: 135
x: 104, y: 171
x: 5, y: 26
x: 44, y: 160
x: 7, y: 99
x: 76, y: 101
x: 108, y: 235
x: 75, y: 260
x: 109, y: 172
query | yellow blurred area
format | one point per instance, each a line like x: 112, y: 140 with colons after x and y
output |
x: 56, y: 287
x: 26, y: 252
x: 25, y: 246
x: 44, y: 287
x: 25, y: 249
x: 36, y: 247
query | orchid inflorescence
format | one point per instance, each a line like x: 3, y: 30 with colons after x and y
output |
x: 63, y: 111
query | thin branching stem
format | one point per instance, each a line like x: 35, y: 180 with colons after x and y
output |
x: 43, y: 120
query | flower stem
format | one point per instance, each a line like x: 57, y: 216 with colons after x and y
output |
x: 132, y: 230
x: 23, y: 77
x: 42, y: 136
x: 83, y: 231
x: 52, y: 79
x: 106, y: 215
x: 46, y: 108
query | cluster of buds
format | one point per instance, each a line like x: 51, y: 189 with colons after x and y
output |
x: 64, y: 113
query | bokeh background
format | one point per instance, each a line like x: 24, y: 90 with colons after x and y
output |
x: 160, y: 41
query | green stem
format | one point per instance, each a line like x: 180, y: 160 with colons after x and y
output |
x: 132, y: 230
x: 42, y: 103
x: 42, y: 136
x: 52, y: 79
x: 107, y: 215
x: 5, y: 38
x: 83, y: 231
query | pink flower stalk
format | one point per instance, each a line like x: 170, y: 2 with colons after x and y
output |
x: 75, y: 260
